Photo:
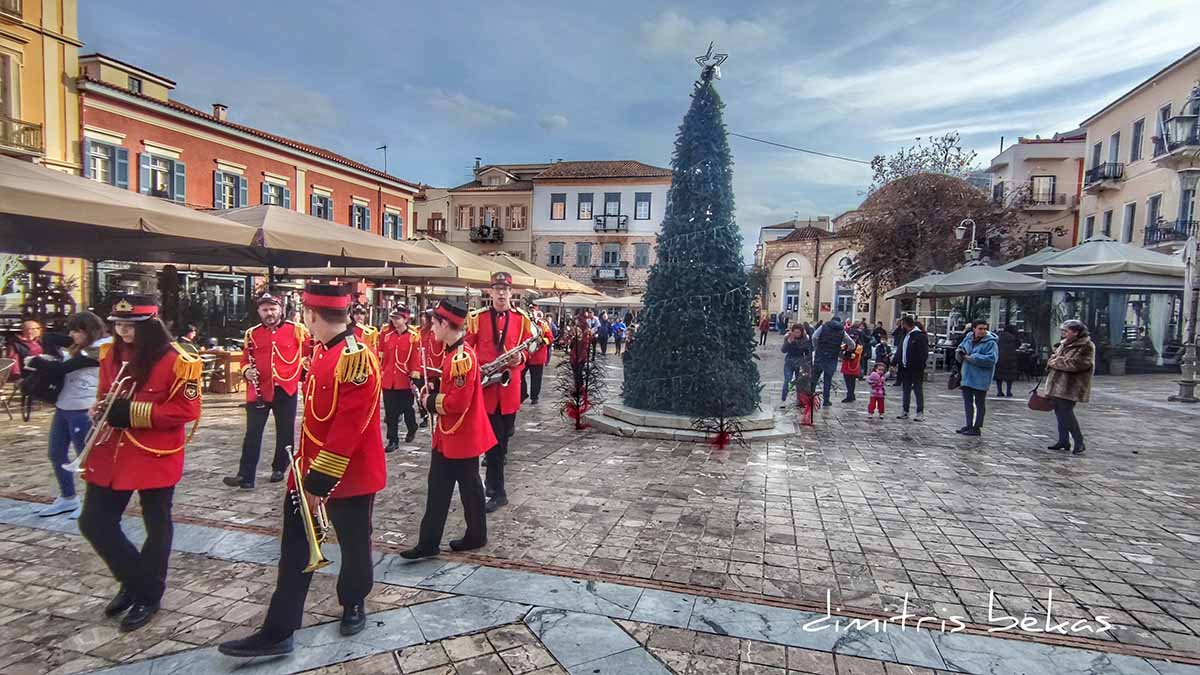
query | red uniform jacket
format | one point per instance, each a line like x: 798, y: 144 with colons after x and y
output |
x: 435, y: 351
x: 542, y: 356
x: 368, y: 335
x: 340, y: 436
x: 149, y: 454
x: 280, y: 354
x: 399, y: 357
x: 462, y: 430
x: 482, y: 336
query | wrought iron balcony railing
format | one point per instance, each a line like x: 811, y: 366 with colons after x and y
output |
x: 1165, y: 232
x: 1047, y: 198
x: 611, y: 273
x: 1103, y: 172
x: 487, y: 234
x: 21, y: 135
x: 612, y: 224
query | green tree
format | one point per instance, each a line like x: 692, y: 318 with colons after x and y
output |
x: 696, y: 332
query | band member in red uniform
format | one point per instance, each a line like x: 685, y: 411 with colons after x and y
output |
x: 535, y: 363
x: 273, y: 355
x: 143, y: 454
x: 434, y: 351
x: 491, y: 332
x: 400, y: 363
x: 461, y: 434
x: 341, y: 455
x: 364, y: 332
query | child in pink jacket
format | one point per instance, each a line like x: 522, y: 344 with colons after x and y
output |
x: 877, y: 380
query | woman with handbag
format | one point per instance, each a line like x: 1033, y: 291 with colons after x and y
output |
x: 1069, y: 381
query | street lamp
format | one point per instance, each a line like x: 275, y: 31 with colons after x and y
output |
x: 1181, y: 129
x: 972, y: 251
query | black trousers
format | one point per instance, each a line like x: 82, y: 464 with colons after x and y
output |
x: 351, y: 518
x: 974, y: 406
x: 851, y: 381
x: 912, y: 384
x: 144, y: 572
x: 396, y: 401
x: 284, y: 408
x: 603, y: 345
x: 502, y: 427
x: 531, y: 382
x: 1068, y: 423
x: 762, y: 337
x: 444, y: 474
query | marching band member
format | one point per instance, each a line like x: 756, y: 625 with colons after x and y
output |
x: 535, y: 363
x: 460, y: 435
x: 434, y: 351
x: 341, y: 454
x: 400, y: 363
x: 273, y: 355
x: 143, y: 454
x: 364, y: 332
x: 491, y: 332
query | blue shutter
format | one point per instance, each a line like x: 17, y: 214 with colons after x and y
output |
x: 121, y: 168
x: 179, y: 194
x: 87, y: 159
x: 367, y: 224
x: 218, y: 180
x: 328, y: 208
x: 312, y: 205
x: 399, y: 220
x: 144, y: 173
x: 266, y: 192
x: 243, y: 196
x: 287, y: 198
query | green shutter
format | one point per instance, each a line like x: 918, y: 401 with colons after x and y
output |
x: 218, y: 183
x: 121, y: 168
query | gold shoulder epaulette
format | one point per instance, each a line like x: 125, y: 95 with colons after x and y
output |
x: 460, y: 365
x: 187, y: 365
x: 414, y: 332
x: 105, y: 350
x: 473, y: 319
x: 301, y: 332
x: 354, y: 364
x: 248, y: 338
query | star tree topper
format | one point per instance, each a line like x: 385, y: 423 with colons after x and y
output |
x: 710, y: 64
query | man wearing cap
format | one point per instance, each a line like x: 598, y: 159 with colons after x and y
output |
x: 342, y: 465
x: 143, y: 453
x: 460, y: 435
x: 491, y: 332
x: 364, y: 332
x: 273, y: 355
x: 400, y: 363
x: 536, y: 363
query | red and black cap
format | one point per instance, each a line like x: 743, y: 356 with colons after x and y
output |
x: 134, y: 307
x: 502, y: 279
x: 327, y: 296
x: 399, y: 310
x: 451, y: 312
x: 266, y: 297
x: 359, y: 308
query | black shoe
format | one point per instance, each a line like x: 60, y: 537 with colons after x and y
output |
x: 408, y: 437
x: 276, y: 476
x: 256, y: 644
x: 495, y: 503
x: 489, y: 492
x: 533, y: 401
x: 483, y: 461
x: 464, y: 545
x: 1079, y: 449
x: 424, y: 423
x: 139, y: 615
x: 972, y: 432
x: 1061, y: 445
x: 961, y: 430
x: 236, y: 481
x: 902, y: 416
x: 354, y: 619
x: 392, y: 446
x: 122, y: 601
x: 418, y: 552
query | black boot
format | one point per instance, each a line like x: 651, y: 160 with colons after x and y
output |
x: 139, y: 615
x: 495, y: 503
x: 256, y: 644
x: 122, y: 601
x: 1079, y: 448
x: 276, y: 476
x: 1061, y: 445
x: 238, y: 481
x: 392, y: 446
x: 418, y: 552
x: 408, y: 437
x: 465, y: 545
x: 354, y: 619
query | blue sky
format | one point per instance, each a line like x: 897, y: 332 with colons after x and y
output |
x: 442, y: 83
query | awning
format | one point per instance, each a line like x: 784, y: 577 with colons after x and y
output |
x: 546, y: 279
x: 977, y: 278
x: 568, y: 300
x: 630, y: 301
x: 914, y: 287
x: 1031, y: 260
x: 1113, y: 255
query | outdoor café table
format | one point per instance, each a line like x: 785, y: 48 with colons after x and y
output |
x: 227, y: 375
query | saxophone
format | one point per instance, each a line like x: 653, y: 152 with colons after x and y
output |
x: 496, y: 371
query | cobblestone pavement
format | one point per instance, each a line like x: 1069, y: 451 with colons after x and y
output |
x: 862, y: 512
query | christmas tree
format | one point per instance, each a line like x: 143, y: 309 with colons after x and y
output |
x: 696, y: 332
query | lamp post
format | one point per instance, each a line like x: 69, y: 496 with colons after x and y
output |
x: 1188, y: 179
x: 972, y: 252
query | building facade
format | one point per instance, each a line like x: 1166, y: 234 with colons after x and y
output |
x: 1131, y: 190
x: 1044, y: 177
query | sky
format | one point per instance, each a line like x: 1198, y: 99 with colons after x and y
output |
x: 531, y: 81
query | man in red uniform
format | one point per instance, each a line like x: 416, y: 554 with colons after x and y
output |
x: 461, y: 434
x: 142, y: 453
x: 400, y: 363
x: 364, y: 332
x: 491, y: 332
x: 272, y: 358
x: 535, y: 363
x: 433, y: 353
x: 341, y: 456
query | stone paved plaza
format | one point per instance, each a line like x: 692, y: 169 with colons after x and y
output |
x: 742, y: 543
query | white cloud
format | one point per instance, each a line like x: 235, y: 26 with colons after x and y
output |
x: 553, y: 122
x: 461, y: 108
x: 672, y: 33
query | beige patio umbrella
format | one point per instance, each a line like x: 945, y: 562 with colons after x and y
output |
x: 547, y: 280
x: 473, y: 264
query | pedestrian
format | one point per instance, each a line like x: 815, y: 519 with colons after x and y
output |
x: 879, y: 333
x: 1069, y: 381
x: 764, y: 327
x: 976, y: 355
x: 878, y: 389
x: 851, y: 369
x: 797, y: 354
x: 400, y: 375
x: 828, y: 341
x: 1007, y: 366
x: 604, y: 332
x: 187, y: 339
x: 882, y: 354
x: 911, y: 352
x: 28, y: 343
x: 535, y: 363
x: 618, y: 335
x: 80, y: 373
x: 897, y: 336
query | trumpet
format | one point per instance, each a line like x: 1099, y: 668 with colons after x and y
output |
x: 121, y: 388
x: 496, y: 370
x: 316, y: 523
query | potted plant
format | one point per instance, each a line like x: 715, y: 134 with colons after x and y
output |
x: 1116, y: 356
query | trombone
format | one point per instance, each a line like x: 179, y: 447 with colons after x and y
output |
x: 316, y: 524
x: 101, y: 431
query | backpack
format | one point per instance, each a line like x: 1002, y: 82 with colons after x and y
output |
x: 40, y: 384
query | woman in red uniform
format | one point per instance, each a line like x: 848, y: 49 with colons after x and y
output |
x: 143, y: 454
x: 400, y: 365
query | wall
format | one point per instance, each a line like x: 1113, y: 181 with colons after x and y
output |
x: 1059, y: 159
x: 636, y: 276
x: 540, y: 215
x: 812, y: 255
x: 517, y: 242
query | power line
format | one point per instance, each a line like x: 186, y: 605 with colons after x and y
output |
x: 790, y: 147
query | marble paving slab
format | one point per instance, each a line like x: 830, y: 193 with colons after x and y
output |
x: 664, y: 608
x: 543, y: 590
x: 630, y: 662
x: 574, y: 638
x: 464, y: 614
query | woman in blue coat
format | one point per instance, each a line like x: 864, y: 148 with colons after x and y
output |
x: 977, y: 353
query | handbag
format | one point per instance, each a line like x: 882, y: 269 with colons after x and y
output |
x: 1038, y: 402
x: 955, y: 379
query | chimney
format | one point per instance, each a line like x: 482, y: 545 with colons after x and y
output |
x: 221, y: 111
x: 477, y: 160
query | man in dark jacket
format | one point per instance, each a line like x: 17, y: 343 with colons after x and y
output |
x: 912, y: 350
x: 797, y: 355
x: 828, y: 342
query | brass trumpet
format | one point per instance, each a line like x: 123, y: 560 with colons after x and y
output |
x: 101, y: 431
x: 316, y: 523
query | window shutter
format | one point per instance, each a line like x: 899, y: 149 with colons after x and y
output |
x: 218, y: 183
x: 329, y: 208
x: 179, y: 194
x: 312, y: 205
x: 266, y: 193
x: 243, y: 192
x: 143, y: 173
x: 121, y: 168
x: 87, y: 159
x: 508, y: 217
x: 287, y: 198
x: 367, y: 224
x: 472, y: 222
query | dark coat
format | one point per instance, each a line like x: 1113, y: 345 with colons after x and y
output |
x: 1069, y: 371
x: 918, y: 353
x: 1007, y: 366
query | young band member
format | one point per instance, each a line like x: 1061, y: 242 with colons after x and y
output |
x: 143, y: 454
x: 364, y: 332
x: 434, y: 351
x: 460, y: 435
x: 535, y: 363
x: 491, y: 332
x: 343, y: 465
x: 272, y: 357
x: 400, y: 363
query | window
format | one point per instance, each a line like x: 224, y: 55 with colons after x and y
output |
x: 1160, y: 145
x: 1089, y: 227
x: 465, y: 215
x: 1135, y: 141
x: 556, y: 252
x: 490, y: 215
x: 515, y: 214
x: 1153, y: 211
x: 612, y: 203
x: 492, y: 180
x: 322, y: 206
x: 360, y: 217
x: 641, y: 255
x: 393, y: 225
x: 558, y: 206
x: 106, y: 163
x: 1097, y: 149
x: 1106, y: 226
x: 641, y: 206
x: 583, y: 254
x: 1187, y: 203
x: 1114, y: 148
x: 162, y: 177
x: 275, y: 194
x: 1127, y: 224
x: 135, y: 84
x: 229, y: 190
x: 612, y: 254
x: 7, y: 86
x: 1041, y: 189
x: 585, y: 206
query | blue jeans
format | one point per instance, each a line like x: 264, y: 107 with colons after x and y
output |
x: 825, y: 370
x: 789, y: 374
x: 67, y: 427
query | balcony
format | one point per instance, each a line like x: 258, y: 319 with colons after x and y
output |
x: 21, y: 137
x: 1103, y: 177
x: 611, y: 273
x: 487, y: 234
x: 1048, y: 200
x: 612, y: 224
x: 1169, y: 232
x: 10, y: 8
